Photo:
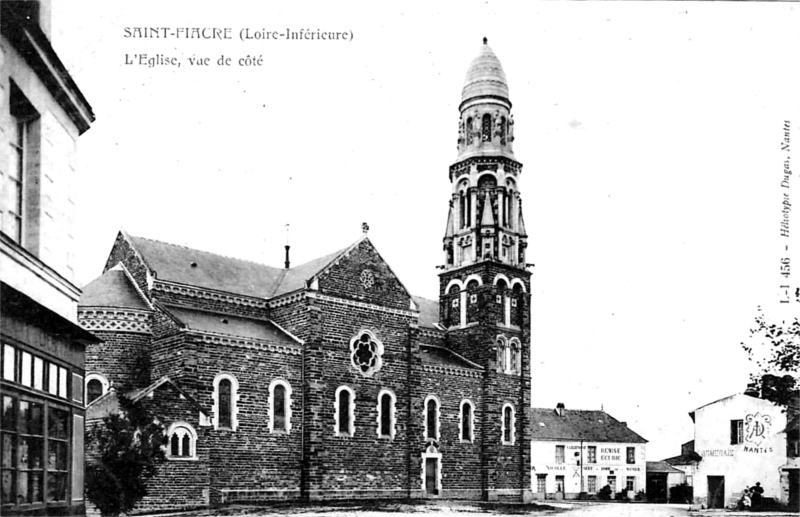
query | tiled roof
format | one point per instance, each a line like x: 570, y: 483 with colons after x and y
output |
x: 580, y: 424
x: 113, y: 289
x: 428, y: 311
x: 188, y: 266
x: 690, y: 458
x: 441, y: 356
x: 238, y: 326
x: 662, y: 466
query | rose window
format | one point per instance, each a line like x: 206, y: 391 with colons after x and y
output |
x: 366, y: 352
x: 367, y: 279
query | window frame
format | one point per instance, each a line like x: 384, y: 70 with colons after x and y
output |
x: 471, y: 429
x: 737, y: 431
x: 630, y: 455
x: 234, y: 402
x: 560, y: 458
x: 287, y: 407
x: 181, y: 427
x: 513, y: 424
x: 351, y: 412
x: 427, y: 434
x: 591, y: 454
x: 104, y: 385
x: 392, y: 414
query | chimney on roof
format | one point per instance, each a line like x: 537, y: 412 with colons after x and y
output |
x: 560, y: 408
x: 286, y: 262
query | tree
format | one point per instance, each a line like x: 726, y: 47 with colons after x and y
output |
x: 127, y: 447
x: 775, y: 349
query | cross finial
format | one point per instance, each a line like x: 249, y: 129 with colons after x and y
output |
x: 364, y: 227
x: 485, y: 40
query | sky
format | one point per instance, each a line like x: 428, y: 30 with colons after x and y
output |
x: 650, y: 135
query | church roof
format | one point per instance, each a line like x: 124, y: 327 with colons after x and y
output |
x: 580, y: 424
x: 433, y: 354
x: 238, y: 326
x: 485, y: 76
x: 183, y: 265
x: 428, y: 312
x: 112, y: 289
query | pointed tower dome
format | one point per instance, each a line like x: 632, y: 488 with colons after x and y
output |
x: 485, y: 77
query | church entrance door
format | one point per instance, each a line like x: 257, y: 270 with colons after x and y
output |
x: 431, y: 464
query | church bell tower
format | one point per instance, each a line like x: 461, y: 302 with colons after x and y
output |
x: 484, y: 292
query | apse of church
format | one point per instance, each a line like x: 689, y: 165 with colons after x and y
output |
x: 329, y: 380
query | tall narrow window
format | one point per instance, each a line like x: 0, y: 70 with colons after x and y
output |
x: 466, y: 421
x: 469, y: 130
x: 279, y: 405
x: 737, y: 432
x: 226, y: 396
x: 486, y: 128
x: 630, y: 455
x: 386, y: 417
x: 462, y: 210
x: 431, y: 418
x: 508, y: 425
x: 94, y: 390
x: 591, y: 454
x: 225, y: 405
x: 13, y: 174
x: 559, y: 454
x: 344, y: 411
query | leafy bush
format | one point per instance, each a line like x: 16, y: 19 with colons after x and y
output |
x: 128, y: 446
x: 682, y: 493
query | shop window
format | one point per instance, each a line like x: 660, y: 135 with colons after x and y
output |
x: 182, y: 440
x: 507, y: 425
x: 591, y: 454
x: 630, y: 455
x: 226, y: 396
x: 280, y: 404
x: 630, y: 483
x: 737, y: 432
x: 541, y: 483
x: 559, y: 454
x: 431, y: 418
x: 344, y: 411
x: 57, y: 444
x: 386, y: 414
x: 25, y: 462
x: 467, y: 421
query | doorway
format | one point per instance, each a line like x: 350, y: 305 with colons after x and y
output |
x: 716, y: 491
x: 431, y: 476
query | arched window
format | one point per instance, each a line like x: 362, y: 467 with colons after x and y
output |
x: 462, y: 210
x: 501, y: 345
x: 386, y: 417
x: 226, y: 396
x: 280, y: 404
x: 431, y: 418
x: 486, y: 128
x: 472, y: 301
x: 517, y: 305
x: 96, y: 387
x: 467, y: 421
x: 182, y: 440
x: 453, y: 307
x: 469, y: 130
x: 516, y: 356
x: 507, y: 427
x: 344, y: 411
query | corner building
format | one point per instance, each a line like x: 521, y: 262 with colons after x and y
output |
x: 329, y: 379
x: 42, y: 115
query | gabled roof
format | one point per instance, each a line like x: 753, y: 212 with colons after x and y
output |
x: 108, y: 404
x: 231, y: 325
x: 188, y: 266
x: 580, y: 424
x: 663, y: 467
x: 112, y: 289
x: 428, y: 312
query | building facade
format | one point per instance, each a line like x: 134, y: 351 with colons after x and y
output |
x: 42, y: 114
x: 329, y: 379
x: 575, y: 453
x: 743, y: 440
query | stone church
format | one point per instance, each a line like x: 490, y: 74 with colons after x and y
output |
x: 329, y: 380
